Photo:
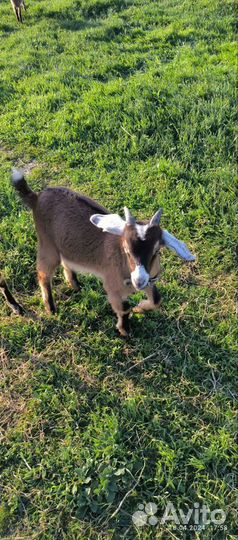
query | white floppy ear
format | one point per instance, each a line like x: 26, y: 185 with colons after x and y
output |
x: 176, y: 245
x: 111, y: 223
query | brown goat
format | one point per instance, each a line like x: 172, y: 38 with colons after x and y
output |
x: 77, y: 232
x: 17, y: 8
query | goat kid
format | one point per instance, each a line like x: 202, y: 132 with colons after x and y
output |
x: 77, y: 232
x: 17, y: 6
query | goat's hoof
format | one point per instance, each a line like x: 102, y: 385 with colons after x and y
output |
x: 51, y: 311
x: 138, y: 309
x: 76, y: 287
x: 122, y: 331
x: 124, y: 335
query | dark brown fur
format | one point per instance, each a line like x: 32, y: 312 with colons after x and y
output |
x: 142, y: 251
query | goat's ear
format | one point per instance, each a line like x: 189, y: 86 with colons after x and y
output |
x: 176, y: 245
x: 111, y: 223
x: 155, y: 220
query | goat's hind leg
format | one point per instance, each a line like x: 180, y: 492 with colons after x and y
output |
x: 47, y: 262
x: 44, y: 279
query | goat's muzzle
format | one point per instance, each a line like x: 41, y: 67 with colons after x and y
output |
x: 140, y: 277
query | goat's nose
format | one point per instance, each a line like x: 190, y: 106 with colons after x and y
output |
x: 141, y: 284
x: 140, y: 277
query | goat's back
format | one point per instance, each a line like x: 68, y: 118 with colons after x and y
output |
x: 62, y: 217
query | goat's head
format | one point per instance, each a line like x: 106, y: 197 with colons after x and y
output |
x: 141, y: 242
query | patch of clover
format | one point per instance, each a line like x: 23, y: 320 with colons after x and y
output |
x: 145, y: 515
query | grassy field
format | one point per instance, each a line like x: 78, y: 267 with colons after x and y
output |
x: 131, y: 102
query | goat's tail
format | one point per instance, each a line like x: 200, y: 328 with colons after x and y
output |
x: 27, y: 195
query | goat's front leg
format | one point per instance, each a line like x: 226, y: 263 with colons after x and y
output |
x: 152, y: 303
x: 122, y: 309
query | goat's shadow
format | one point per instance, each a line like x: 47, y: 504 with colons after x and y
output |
x: 179, y: 346
x: 175, y: 347
x: 160, y: 344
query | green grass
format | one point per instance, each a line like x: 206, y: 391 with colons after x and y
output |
x: 131, y: 102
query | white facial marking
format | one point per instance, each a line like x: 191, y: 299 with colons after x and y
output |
x: 139, y: 277
x: 176, y: 245
x: 141, y: 231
